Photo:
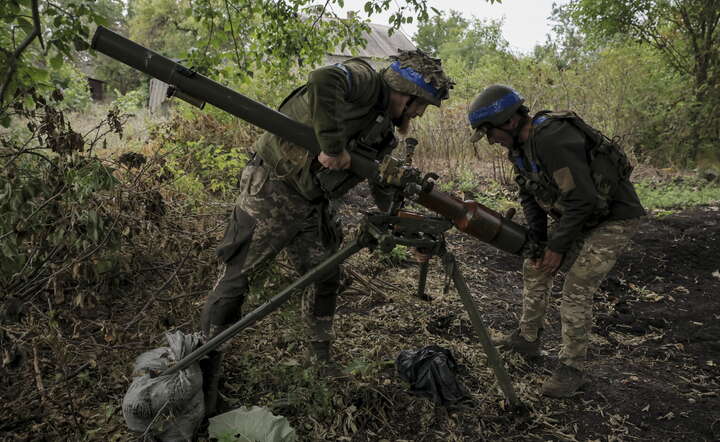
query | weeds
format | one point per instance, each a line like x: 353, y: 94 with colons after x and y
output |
x: 398, y: 255
x: 676, y: 193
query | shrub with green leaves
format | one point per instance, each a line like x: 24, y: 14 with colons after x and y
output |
x: 132, y: 101
x: 60, y: 226
x: 199, y: 165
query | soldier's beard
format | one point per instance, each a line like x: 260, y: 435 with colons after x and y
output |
x: 402, y: 124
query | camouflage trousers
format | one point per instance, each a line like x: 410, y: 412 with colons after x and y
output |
x: 589, y: 261
x: 268, y: 217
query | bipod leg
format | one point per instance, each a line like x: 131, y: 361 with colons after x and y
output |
x: 271, y: 305
x: 493, y: 357
x: 422, y: 280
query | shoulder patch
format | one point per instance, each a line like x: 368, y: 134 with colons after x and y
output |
x: 564, y: 179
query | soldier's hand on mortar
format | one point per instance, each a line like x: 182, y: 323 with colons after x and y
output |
x: 551, y: 261
x: 341, y: 161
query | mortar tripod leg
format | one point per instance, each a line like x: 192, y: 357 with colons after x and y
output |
x: 493, y: 358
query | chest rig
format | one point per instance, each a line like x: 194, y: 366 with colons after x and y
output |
x: 608, y: 164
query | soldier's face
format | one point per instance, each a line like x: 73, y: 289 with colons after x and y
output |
x: 500, y: 135
x: 398, y: 103
x: 404, y: 108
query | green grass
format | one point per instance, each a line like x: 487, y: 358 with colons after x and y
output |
x: 677, y: 194
x: 663, y: 198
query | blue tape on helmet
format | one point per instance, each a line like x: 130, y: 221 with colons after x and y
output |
x: 508, y: 100
x: 412, y: 75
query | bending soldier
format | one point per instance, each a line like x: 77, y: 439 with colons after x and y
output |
x: 285, y: 194
x: 570, y: 171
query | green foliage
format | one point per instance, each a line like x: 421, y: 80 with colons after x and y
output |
x: 35, y: 32
x: 237, y: 38
x: 686, y: 33
x: 216, y: 167
x: 650, y: 110
x: 677, y: 194
x: 454, y: 37
x: 131, y: 101
x: 433, y: 33
x: 74, y: 86
x: 57, y: 228
x: 490, y: 193
x: 199, y: 160
x: 295, y: 389
x: 398, y: 255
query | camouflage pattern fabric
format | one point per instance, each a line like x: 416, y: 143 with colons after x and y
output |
x: 430, y: 69
x: 268, y: 217
x: 589, y: 261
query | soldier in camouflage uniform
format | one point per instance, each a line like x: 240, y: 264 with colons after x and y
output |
x: 285, y: 193
x: 570, y: 171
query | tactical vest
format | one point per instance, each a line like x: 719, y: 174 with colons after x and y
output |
x: 608, y: 164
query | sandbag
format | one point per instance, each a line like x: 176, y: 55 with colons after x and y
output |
x: 431, y: 374
x: 169, y: 408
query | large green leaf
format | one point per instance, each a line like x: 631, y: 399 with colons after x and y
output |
x: 256, y: 424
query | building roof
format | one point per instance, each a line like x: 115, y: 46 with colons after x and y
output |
x: 379, y: 43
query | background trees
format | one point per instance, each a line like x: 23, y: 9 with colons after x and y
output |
x: 666, y: 107
x: 686, y: 34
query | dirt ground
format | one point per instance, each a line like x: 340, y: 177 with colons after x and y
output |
x: 655, y: 351
x: 654, y: 360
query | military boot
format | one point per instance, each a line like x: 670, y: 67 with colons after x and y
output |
x: 211, y: 367
x: 564, y: 382
x: 319, y: 354
x: 515, y: 342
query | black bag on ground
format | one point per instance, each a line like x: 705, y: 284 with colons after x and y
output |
x: 431, y: 374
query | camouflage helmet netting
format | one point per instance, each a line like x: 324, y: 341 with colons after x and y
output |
x: 429, y: 68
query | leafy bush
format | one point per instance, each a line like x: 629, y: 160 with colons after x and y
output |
x: 216, y: 168
x: 132, y: 101
x: 74, y: 86
x: 60, y: 224
x: 200, y: 153
x: 398, y: 255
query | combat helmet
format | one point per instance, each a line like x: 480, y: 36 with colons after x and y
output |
x: 493, y: 107
x: 417, y: 74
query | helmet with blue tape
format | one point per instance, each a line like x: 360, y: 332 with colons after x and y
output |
x: 493, y: 107
x: 417, y: 74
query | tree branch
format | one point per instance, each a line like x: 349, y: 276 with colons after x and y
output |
x: 12, y: 62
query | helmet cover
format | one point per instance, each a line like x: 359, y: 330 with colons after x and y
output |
x: 417, y: 74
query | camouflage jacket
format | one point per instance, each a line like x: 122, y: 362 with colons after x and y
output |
x: 580, y: 181
x: 342, y: 103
